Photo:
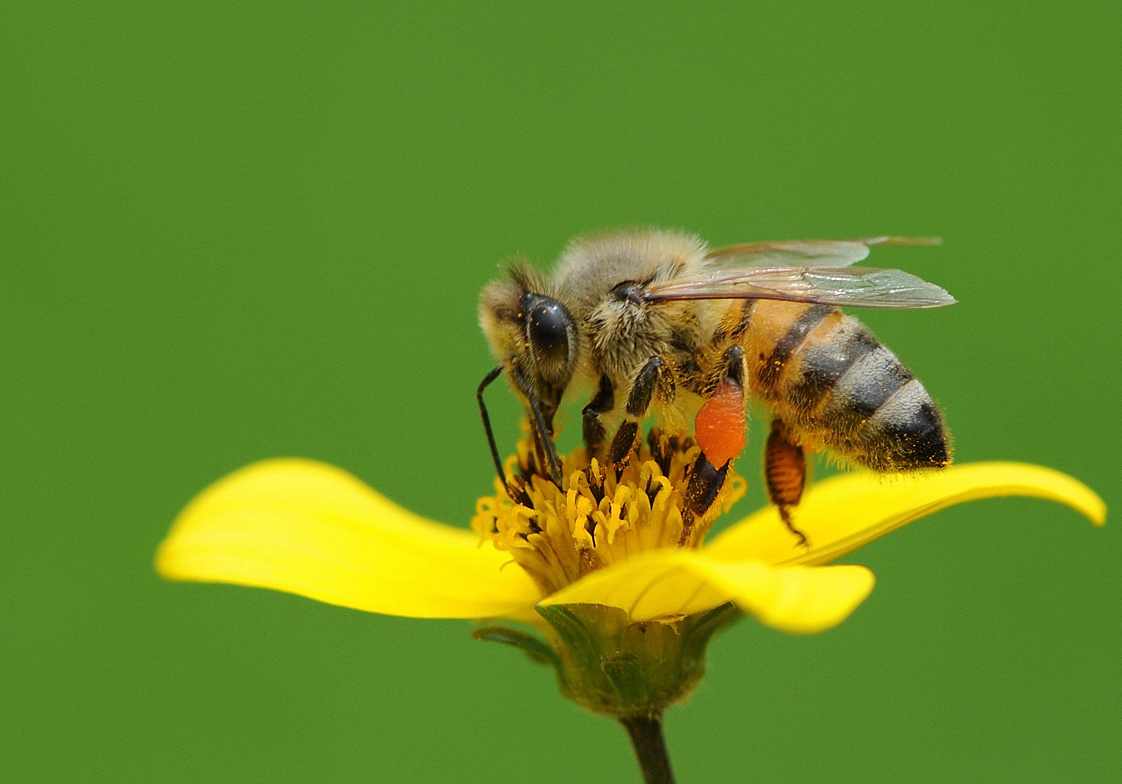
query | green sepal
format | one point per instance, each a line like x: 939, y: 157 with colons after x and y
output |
x: 577, y: 643
x: 614, y: 666
x: 537, y: 649
x: 705, y: 625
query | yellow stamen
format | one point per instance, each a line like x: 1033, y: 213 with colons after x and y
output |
x: 600, y: 517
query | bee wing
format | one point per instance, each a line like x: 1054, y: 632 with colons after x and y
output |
x: 856, y: 287
x: 812, y: 253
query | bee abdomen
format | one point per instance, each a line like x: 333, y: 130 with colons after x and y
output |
x: 771, y: 368
x: 823, y: 364
x: 880, y: 415
x: 830, y: 378
x: 906, y: 432
x: 844, y: 386
x: 869, y: 381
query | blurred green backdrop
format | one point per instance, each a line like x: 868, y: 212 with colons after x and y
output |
x: 229, y: 234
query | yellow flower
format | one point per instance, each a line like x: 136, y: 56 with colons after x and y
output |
x: 608, y: 567
x: 315, y: 530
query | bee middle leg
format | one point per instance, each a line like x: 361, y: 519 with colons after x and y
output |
x: 785, y: 474
x: 652, y: 374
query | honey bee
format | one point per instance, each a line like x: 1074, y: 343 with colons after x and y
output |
x: 655, y: 321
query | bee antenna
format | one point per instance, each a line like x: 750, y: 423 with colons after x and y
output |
x: 490, y: 377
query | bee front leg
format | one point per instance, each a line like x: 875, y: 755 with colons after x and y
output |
x: 638, y: 403
x: 785, y: 473
x: 593, y: 429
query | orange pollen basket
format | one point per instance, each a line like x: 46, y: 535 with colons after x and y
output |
x: 720, y: 423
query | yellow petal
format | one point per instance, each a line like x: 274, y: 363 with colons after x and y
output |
x: 313, y: 529
x: 669, y: 582
x: 848, y: 511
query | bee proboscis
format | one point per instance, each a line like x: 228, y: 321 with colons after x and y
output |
x: 656, y: 321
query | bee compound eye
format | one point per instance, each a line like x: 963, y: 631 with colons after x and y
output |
x: 547, y: 327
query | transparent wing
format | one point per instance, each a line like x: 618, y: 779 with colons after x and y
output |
x: 855, y: 287
x: 808, y: 253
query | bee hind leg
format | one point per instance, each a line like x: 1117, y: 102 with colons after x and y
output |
x: 719, y: 428
x: 785, y: 474
x: 652, y: 374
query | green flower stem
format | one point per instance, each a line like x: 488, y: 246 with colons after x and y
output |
x: 613, y: 666
x: 650, y: 748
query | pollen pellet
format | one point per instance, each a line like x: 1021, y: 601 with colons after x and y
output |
x: 719, y: 424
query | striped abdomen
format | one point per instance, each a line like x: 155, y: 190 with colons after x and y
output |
x: 831, y: 381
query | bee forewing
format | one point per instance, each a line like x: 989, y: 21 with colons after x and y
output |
x: 857, y: 287
x: 803, y: 253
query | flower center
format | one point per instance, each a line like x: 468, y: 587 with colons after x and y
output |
x: 601, y: 515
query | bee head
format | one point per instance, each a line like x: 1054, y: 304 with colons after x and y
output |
x: 531, y: 333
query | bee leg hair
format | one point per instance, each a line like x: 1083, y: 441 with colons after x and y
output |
x: 593, y: 429
x: 785, y: 474
x: 638, y: 403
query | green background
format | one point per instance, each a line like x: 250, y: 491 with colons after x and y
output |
x: 229, y: 234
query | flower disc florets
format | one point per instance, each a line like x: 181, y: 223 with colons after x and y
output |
x: 601, y: 515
